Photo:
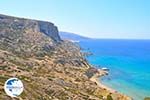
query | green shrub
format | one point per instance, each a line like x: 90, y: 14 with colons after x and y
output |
x: 147, y: 98
x: 109, y: 97
x: 3, y: 67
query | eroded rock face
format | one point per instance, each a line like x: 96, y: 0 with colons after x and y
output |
x: 49, y: 29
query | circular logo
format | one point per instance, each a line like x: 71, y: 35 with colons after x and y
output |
x: 13, y: 87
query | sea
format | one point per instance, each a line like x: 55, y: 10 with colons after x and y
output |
x: 128, y: 62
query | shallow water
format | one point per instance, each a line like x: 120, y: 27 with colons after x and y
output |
x: 128, y: 61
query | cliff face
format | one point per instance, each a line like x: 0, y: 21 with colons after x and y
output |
x: 50, y: 69
x: 49, y: 29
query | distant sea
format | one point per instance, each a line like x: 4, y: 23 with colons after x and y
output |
x: 128, y: 61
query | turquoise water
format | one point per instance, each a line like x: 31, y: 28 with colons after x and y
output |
x: 128, y: 61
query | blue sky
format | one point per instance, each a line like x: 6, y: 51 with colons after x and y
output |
x: 92, y: 18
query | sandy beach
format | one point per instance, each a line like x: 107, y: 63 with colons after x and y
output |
x: 101, y: 73
x: 95, y: 79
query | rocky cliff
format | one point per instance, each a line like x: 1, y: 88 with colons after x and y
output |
x: 27, y: 36
x: 22, y: 24
x: 51, y: 69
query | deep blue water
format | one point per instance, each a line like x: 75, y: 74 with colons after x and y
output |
x: 128, y: 61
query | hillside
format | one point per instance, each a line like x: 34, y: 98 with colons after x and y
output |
x: 72, y: 36
x: 50, y: 68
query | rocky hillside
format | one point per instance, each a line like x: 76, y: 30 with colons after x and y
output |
x: 25, y: 36
x: 51, y: 69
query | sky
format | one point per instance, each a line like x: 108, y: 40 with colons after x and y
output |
x: 129, y: 19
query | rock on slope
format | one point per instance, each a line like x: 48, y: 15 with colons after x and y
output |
x: 51, y: 69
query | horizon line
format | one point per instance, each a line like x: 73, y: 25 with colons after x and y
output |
x: 74, y: 33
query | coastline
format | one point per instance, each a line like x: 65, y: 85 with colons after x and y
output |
x: 95, y: 79
x: 100, y: 73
